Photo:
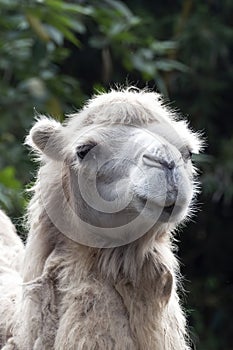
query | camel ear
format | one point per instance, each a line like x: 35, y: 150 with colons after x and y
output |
x: 46, y: 136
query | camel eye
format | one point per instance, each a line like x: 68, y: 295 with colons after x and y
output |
x: 83, y: 150
x: 190, y: 155
x: 186, y: 154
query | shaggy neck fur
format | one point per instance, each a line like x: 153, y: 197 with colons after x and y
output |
x: 71, y: 289
x: 142, y: 276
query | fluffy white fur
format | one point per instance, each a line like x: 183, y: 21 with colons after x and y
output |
x: 76, y: 297
x: 12, y: 252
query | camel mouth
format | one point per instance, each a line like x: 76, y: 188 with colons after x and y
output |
x: 167, y: 213
x: 169, y: 209
x: 171, y: 213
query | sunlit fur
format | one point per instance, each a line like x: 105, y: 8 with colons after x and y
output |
x: 84, y: 298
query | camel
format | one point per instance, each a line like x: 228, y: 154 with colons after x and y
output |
x: 99, y: 269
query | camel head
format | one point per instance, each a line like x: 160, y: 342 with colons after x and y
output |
x: 116, y: 170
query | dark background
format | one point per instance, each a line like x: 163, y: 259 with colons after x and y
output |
x: 55, y: 54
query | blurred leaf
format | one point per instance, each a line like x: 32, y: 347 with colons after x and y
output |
x: 38, y: 27
x: 8, y: 179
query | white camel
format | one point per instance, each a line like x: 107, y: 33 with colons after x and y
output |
x: 99, y: 269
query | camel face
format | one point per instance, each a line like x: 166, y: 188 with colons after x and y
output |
x: 121, y: 172
x: 121, y: 167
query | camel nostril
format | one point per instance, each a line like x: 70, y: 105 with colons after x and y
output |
x: 171, y: 165
x: 150, y: 160
x: 155, y: 161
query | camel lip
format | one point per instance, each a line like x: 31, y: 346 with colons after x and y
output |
x: 170, y: 212
x: 169, y: 209
x: 166, y: 213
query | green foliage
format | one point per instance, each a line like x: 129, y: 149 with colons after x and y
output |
x: 54, y: 54
x: 35, y: 44
x: 10, y: 190
x: 32, y: 40
x: 123, y: 38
